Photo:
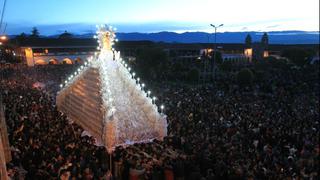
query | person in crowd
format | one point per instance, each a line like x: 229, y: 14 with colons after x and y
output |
x: 268, y: 130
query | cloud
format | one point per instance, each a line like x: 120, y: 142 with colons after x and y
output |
x: 272, y: 26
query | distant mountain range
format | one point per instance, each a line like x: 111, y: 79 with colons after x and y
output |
x: 277, y: 37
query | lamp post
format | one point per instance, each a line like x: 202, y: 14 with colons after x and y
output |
x: 215, y: 47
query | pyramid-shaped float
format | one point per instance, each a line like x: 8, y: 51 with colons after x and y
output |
x: 106, y: 99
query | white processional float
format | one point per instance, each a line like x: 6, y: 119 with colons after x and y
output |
x: 106, y: 98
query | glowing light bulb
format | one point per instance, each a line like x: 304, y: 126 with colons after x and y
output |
x: 161, y: 107
x: 143, y: 85
x: 66, y: 82
x: 61, y: 85
x: 133, y: 74
x: 154, y: 100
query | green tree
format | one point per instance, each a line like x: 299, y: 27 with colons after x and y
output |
x: 193, y: 75
x: 248, y: 41
x: 245, y: 77
x: 276, y: 63
x: 298, y: 56
x: 22, y: 37
x: 218, y: 57
x: 151, y: 62
x: 226, y: 65
x: 265, y: 40
x: 177, y: 67
x: 65, y: 35
x: 34, y: 33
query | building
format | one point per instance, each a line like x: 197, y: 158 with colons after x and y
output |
x: 42, y: 51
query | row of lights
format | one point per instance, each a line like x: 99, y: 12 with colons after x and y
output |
x: 141, y: 86
x: 99, y: 36
x: 133, y: 74
x: 72, y: 76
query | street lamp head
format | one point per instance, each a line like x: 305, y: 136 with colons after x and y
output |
x: 212, y: 25
x: 220, y: 25
x: 3, y: 37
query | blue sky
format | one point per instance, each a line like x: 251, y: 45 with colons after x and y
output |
x: 80, y: 16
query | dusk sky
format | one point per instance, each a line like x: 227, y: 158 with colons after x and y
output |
x: 80, y: 16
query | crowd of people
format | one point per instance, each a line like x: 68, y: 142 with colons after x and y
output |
x: 268, y: 130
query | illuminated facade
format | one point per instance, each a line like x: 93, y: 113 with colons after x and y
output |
x: 43, y: 51
x: 248, y: 53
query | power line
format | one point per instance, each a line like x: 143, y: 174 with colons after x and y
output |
x: 2, y: 13
x: 5, y: 28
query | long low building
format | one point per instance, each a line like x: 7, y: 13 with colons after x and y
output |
x: 41, y: 51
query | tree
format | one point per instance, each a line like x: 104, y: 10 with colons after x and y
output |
x: 265, y: 40
x: 65, y: 35
x: 248, y: 41
x: 193, y: 75
x: 276, y: 63
x: 22, y: 37
x: 226, y: 65
x: 245, y: 77
x: 151, y: 62
x: 177, y: 67
x: 218, y: 57
x: 298, y: 56
x: 34, y: 33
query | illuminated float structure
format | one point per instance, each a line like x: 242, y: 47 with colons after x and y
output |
x: 106, y: 98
